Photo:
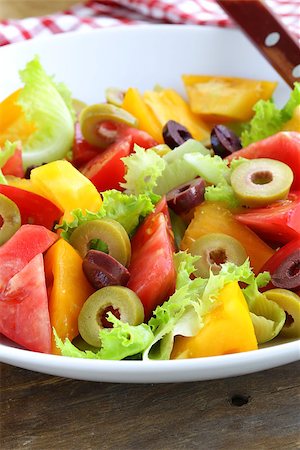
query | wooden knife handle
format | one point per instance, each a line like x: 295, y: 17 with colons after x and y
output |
x: 268, y: 34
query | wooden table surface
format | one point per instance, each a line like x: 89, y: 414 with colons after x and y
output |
x: 253, y: 412
x: 41, y: 412
x: 16, y: 9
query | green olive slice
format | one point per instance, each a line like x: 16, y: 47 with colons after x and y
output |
x: 114, y: 96
x: 290, y: 302
x: 215, y: 249
x: 109, y: 231
x: 259, y: 182
x: 10, y: 218
x: 93, y: 122
x: 119, y: 300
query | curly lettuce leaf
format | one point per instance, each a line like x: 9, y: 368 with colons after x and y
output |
x: 268, y: 119
x: 117, y: 343
x: 184, y: 264
x: 267, y: 317
x: 144, y: 167
x: 293, y: 102
x: 48, y: 106
x: 5, y: 154
x: 222, y: 192
x: 128, y: 210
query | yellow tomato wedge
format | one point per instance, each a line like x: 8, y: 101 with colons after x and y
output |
x: 66, y: 187
x: 68, y: 289
x: 167, y: 104
x: 227, y: 329
x: 225, y: 98
x: 133, y: 103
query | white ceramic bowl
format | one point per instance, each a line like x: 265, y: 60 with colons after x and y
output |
x: 141, y: 57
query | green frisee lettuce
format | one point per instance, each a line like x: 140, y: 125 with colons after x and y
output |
x: 143, y: 168
x: 268, y: 119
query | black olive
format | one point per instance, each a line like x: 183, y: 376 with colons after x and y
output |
x: 287, y: 274
x: 175, y: 134
x: 185, y: 197
x: 103, y: 270
x: 224, y: 141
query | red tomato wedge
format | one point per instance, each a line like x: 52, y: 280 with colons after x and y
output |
x: 139, y: 137
x: 278, y: 223
x: 24, y: 315
x: 283, y: 146
x: 106, y: 170
x: 14, y: 166
x: 152, y: 271
x: 34, y: 209
x: 21, y: 248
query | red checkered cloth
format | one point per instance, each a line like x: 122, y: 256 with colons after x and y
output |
x: 107, y: 13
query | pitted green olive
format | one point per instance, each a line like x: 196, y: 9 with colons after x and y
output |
x: 106, y: 230
x: 215, y: 249
x: 119, y: 300
x: 259, y: 182
x: 290, y: 302
x: 10, y: 218
x: 114, y: 96
x: 98, y: 123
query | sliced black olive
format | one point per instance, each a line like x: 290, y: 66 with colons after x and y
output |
x: 287, y: 274
x: 224, y: 141
x: 175, y: 134
x: 103, y: 270
x: 185, y: 197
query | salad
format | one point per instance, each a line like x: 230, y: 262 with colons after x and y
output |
x: 148, y: 226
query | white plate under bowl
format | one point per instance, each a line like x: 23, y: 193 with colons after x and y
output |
x: 141, y: 57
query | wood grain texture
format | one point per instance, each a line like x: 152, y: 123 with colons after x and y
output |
x: 40, y: 412
x: 17, y: 9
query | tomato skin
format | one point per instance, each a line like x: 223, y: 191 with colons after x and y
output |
x: 21, y: 248
x: 34, y: 209
x: 283, y: 146
x: 24, y: 315
x: 14, y: 166
x: 278, y: 223
x: 152, y: 271
x: 139, y: 137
